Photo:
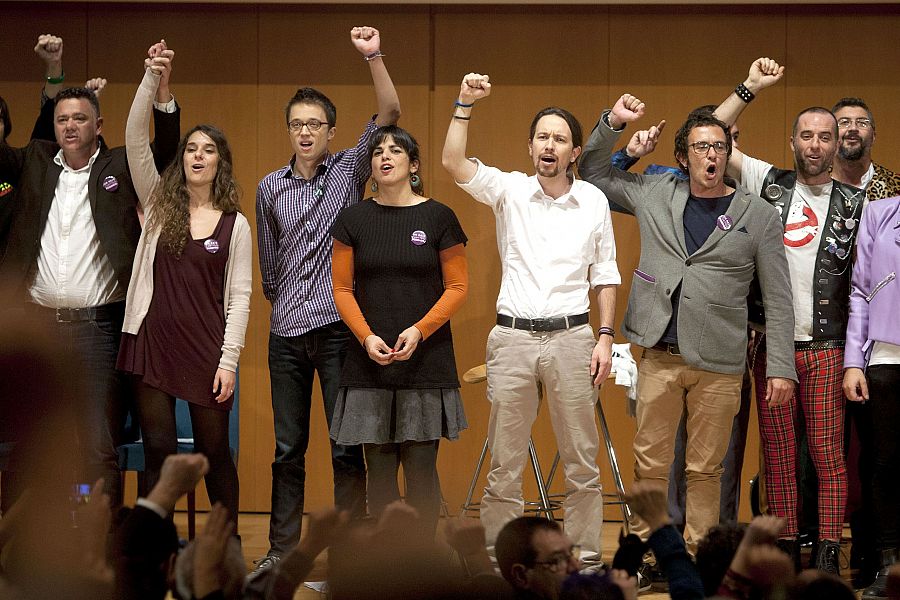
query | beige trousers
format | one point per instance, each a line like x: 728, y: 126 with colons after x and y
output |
x: 517, y: 362
x: 667, y: 386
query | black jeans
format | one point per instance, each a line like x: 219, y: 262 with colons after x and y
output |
x: 879, y: 433
x: 423, y: 489
x: 100, y: 415
x: 293, y: 362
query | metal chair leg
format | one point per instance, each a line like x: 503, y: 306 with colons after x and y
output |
x: 614, y: 467
x: 468, y: 505
x: 544, y: 505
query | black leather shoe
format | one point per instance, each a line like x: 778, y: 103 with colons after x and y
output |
x: 878, y: 589
x: 828, y: 558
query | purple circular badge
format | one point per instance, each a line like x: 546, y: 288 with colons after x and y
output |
x: 110, y: 183
x: 418, y: 238
x: 212, y: 246
x: 724, y: 222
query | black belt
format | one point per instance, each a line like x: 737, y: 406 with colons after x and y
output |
x: 548, y: 324
x: 106, y: 312
x: 668, y: 348
x: 818, y: 344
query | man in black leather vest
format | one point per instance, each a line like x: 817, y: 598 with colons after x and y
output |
x: 820, y: 218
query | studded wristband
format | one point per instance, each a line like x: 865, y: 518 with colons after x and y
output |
x: 744, y: 94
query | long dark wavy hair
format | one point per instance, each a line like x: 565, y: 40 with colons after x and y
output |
x: 171, y: 200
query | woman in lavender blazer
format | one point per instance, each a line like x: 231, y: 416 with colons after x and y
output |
x: 872, y: 372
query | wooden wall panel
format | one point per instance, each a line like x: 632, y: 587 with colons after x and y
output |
x: 238, y: 64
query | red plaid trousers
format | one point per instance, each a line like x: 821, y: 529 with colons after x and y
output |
x: 821, y: 398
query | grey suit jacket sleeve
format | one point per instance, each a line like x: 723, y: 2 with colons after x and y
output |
x: 595, y: 166
x: 775, y: 283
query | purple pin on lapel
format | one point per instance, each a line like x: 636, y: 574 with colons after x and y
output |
x: 211, y: 245
x: 724, y: 222
x: 110, y: 183
x: 418, y: 238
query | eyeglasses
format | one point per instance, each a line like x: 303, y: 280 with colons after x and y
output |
x: 701, y: 148
x: 312, y: 124
x: 559, y: 561
x: 863, y: 123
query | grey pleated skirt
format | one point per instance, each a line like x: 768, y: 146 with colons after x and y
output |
x: 382, y: 416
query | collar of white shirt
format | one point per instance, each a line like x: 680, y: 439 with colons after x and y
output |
x: 538, y: 193
x: 60, y: 159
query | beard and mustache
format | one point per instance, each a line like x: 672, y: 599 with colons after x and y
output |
x: 854, y: 152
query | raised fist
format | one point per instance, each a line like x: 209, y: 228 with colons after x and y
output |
x: 474, y: 87
x: 49, y: 47
x: 366, y: 39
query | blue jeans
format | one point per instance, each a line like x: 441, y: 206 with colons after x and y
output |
x: 293, y: 361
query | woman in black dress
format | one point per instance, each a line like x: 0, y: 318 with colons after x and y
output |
x: 399, y: 273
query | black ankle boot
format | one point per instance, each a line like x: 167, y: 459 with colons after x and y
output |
x: 878, y: 589
x: 828, y: 557
x: 792, y: 549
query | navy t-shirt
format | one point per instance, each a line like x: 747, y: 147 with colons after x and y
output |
x: 700, y: 216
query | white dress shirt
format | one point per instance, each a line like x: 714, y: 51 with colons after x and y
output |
x: 72, y: 269
x: 552, y: 250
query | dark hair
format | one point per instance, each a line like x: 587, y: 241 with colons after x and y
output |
x: 514, y: 542
x: 815, y: 110
x: 403, y: 139
x: 569, y: 118
x: 4, y: 116
x: 75, y: 93
x: 170, y: 198
x: 706, y: 108
x: 698, y: 118
x: 308, y: 95
x: 858, y: 102
x: 715, y: 552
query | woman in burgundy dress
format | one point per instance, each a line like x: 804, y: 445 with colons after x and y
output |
x: 189, y: 298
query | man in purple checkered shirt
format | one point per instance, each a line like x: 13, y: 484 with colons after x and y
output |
x: 295, y: 208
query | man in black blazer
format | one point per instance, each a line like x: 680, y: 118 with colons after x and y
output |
x: 74, y: 231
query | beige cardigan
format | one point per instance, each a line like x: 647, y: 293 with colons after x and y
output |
x: 238, y: 270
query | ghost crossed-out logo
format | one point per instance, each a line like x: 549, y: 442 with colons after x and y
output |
x: 802, y: 226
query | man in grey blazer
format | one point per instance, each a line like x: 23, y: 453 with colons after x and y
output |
x: 702, y: 242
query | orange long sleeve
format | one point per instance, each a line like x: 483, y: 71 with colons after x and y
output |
x: 342, y: 285
x: 455, y: 271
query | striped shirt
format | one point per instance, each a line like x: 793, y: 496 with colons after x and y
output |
x: 293, y: 221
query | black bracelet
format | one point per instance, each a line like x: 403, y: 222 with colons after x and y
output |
x: 606, y: 331
x: 744, y: 94
x: 461, y: 118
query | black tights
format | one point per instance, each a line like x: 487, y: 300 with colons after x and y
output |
x: 156, y: 411
x: 423, y: 489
